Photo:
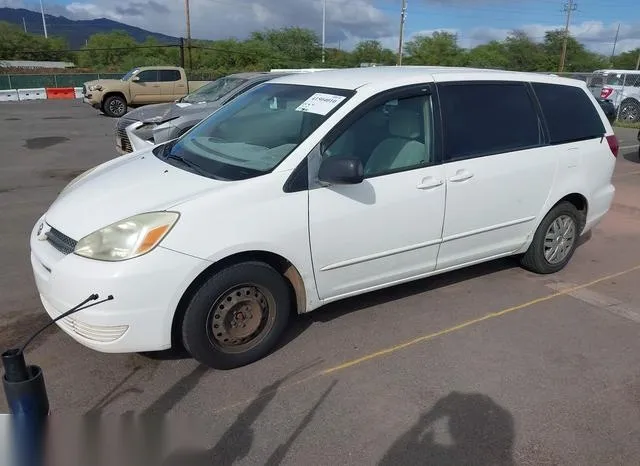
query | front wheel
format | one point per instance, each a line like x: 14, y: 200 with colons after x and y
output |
x: 237, y: 316
x: 555, y: 240
x: 115, y: 106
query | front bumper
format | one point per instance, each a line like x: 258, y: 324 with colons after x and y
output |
x: 146, y: 293
x: 135, y: 141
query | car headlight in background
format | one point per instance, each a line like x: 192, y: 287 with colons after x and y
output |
x: 128, y: 238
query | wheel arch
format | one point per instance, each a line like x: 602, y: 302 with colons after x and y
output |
x: 579, y: 201
x: 281, y: 264
x: 112, y: 93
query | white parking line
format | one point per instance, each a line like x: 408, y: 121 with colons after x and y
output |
x: 601, y: 301
x: 629, y: 147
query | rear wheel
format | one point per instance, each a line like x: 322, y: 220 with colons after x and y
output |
x: 115, y: 106
x: 237, y: 316
x: 630, y: 111
x: 555, y: 240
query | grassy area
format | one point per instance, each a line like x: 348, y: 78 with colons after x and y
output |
x: 626, y: 124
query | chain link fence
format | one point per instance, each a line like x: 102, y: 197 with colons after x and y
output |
x: 31, y: 81
x: 622, y: 88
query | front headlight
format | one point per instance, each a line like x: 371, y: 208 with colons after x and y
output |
x: 128, y: 238
x: 95, y: 87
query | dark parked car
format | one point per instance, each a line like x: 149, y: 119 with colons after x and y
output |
x: 608, y: 107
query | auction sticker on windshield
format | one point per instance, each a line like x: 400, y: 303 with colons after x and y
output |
x: 320, y: 103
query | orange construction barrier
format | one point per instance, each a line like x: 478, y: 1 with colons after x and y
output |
x: 61, y: 93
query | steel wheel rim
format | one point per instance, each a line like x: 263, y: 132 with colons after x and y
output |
x: 241, y: 318
x: 559, y: 239
x: 116, y: 106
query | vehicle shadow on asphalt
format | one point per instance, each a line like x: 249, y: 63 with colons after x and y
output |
x: 398, y: 292
x: 236, y: 442
x: 460, y: 429
x: 633, y: 156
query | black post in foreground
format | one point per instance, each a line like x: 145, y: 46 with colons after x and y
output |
x: 26, y: 395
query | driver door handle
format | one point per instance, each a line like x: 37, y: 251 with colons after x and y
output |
x: 429, y: 183
x: 461, y: 175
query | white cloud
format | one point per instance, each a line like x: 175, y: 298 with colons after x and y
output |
x: 596, y: 35
x: 348, y: 22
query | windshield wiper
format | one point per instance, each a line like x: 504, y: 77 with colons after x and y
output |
x: 194, y: 166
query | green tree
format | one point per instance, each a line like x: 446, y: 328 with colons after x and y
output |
x: 15, y: 44
x: 440, y: 48
x: 578, y: 58
x: 294, y: 44
x: 372, y: 51
x: 491, y: 55
x: 523, y: 54
x: 109, y: 51
x: 627, y: 60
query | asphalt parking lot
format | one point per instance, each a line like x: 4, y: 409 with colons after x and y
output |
x: 489, y: 365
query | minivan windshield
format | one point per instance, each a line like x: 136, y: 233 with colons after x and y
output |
x: 215, y: 90
x: 256, y: 131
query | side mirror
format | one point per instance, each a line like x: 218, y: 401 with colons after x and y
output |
x: 341, y: 170
x: 135, y: 79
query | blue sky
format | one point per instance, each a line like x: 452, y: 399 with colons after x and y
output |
x: 348, y: 21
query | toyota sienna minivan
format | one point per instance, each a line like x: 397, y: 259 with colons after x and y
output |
x: 315, y: 187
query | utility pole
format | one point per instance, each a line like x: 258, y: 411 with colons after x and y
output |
x: 24, y: 24
x: 403, y: 16
x: 44, y: 22
x: 568, y: 8
x: 186, y: 7
x: 638, y: 62
x: 615, y: 42
x: 324, y: 25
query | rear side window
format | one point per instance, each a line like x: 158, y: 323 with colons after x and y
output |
x: 569, y: 113
x: 487, y: 118
x: 169, y: 75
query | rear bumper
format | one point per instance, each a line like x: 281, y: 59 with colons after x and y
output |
x: 599, y: 206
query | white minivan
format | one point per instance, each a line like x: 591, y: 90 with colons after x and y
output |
x: 315, y: 187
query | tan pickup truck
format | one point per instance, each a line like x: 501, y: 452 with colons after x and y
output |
x: 140, y: 86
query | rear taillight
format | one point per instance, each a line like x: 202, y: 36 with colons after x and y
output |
x: 606, y: 92
x: 614, y: 145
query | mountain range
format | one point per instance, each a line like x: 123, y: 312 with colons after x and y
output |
x: 76, y: 32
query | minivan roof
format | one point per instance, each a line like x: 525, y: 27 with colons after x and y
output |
x: 354, y: 78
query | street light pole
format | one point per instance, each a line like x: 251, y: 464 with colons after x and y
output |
x: 44, y: 22
x: 324, y: 26
x: 403, y: 16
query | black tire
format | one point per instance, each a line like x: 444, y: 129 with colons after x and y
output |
x: 115, y: 106
x: 207, y: 322
x: 534, y: 259
x: 630, y: 111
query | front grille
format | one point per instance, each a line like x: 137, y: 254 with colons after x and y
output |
x: 60, y: 241
x: 121, y: 134
x: 84, y: 90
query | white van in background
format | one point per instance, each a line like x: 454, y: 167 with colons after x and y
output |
x: 319, y: 186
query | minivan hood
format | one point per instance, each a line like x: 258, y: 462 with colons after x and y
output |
x: 123, y: 187
x: 160, y: 113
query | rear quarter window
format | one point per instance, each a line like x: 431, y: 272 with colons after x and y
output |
x: 569, y: 113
